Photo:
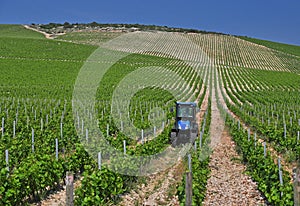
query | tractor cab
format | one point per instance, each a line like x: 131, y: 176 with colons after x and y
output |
x: 185, y: 114
x: 185, y: 129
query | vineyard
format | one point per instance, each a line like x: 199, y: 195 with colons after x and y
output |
x: 97, y: 104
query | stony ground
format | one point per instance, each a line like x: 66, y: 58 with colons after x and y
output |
x: 58, y: 198
x: 160, y: 189
x: 228, y: 184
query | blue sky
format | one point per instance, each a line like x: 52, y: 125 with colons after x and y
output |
x: 266, y: 19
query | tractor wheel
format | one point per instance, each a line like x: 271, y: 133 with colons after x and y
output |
x: 174, y: 143
x: 173, y: 136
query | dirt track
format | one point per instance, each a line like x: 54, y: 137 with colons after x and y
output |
x: 47, y: 36
x: 228, y: 185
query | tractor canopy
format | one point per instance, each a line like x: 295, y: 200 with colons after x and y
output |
x: 185, y: 114
x: 186, y: 110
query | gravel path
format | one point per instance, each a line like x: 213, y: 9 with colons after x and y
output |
x: 55, y: 199
x: 228, y: 185
x: 160, y: 189
x: 58, y: 198
x: 47, y: 36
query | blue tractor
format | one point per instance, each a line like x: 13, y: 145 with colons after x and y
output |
x: 185, y: 129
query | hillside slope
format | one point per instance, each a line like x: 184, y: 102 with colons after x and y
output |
x: 287, y: 48
x: 226, y: 74
x: 18, y: 31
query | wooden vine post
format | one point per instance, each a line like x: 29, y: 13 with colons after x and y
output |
x: 188, y: 189
x: 69, y: 189
x: 297, y: 186
x: 189, y: 184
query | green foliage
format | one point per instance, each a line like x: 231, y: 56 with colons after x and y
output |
x: 51, y: 25
x: 98, y: 187
x: 31, y: 178
x: 40, y: 68
x: 43, y: 49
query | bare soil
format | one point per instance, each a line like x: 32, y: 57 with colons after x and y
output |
x: 58, y: 198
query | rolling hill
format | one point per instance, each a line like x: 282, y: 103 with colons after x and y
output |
x: 97, y: 103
